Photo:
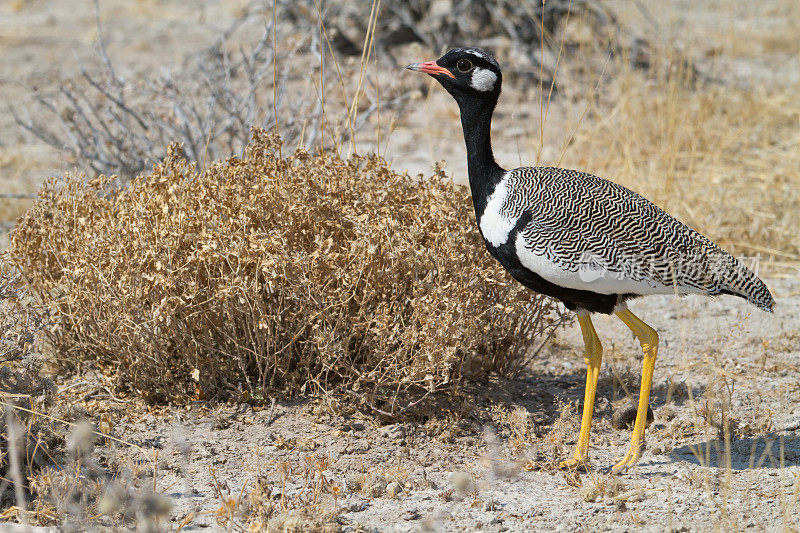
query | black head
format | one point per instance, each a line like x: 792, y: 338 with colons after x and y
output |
x: 469, y: 74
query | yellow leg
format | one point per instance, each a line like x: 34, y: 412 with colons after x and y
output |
x: 648, y: 338
x: 593, y: 356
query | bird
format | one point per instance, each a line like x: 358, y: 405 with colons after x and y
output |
x: 586, y: 241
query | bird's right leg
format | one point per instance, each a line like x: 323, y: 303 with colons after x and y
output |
x: 593, y: 357
x: 648, y: 338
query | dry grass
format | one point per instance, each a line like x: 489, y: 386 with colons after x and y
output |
x: 27, y: 443
x: 304, y: 499
x: 50, y: 473
x: 262, y: 275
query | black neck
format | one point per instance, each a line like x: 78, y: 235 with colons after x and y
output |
x: 484, y: 172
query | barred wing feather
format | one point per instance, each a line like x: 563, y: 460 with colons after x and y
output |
x: 588, y: 233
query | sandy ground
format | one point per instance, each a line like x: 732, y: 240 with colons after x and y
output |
x: 488, y: 467
x: 474, y: 474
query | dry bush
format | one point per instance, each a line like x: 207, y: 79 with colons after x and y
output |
x: 444, y: 24
x: 27, y: 442
x: 265, y: 69
x: 110, y: 123
x: 299, y: 65
x: 309, y: 273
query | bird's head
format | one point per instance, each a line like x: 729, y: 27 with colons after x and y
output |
x: 469, y: 74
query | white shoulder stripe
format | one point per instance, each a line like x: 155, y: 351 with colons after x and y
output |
x: 495, y: 227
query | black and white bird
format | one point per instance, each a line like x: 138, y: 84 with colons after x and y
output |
x: 588, y: 242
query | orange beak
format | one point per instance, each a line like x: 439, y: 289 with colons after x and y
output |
x: 430, y: 67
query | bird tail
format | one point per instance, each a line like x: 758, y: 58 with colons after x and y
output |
x: 738, y: 280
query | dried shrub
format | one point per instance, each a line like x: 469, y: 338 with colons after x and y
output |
x: 109, y: 123
x: 307, y: 273
x: 27, y: 442
x: 290, y: 63
x: 258, y: 72
x: 443, y: 24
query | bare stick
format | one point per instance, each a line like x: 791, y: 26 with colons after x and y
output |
x: 14, y: 463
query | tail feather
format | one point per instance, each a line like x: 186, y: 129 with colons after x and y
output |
x: 738, y: 280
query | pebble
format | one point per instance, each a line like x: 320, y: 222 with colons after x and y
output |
x: 356, y: 505
x: 354, y: 482
x: 683, y: 473
x: 394, y: 431
x: 393, y: 489
x: 490, y: 505
x: 375, y: 485
x: 411, y: 514
x: 461, y: 481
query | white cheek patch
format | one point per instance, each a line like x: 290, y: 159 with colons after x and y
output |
x: 483, y: 79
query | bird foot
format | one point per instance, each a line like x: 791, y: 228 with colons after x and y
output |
x: 576, y: 463
x: 630, y: 459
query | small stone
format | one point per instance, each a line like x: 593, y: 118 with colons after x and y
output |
x: 411, y: 514
x: 394, y: 431
x: 590, y: 494
x: 375, y: 485
x: 221, y: 422
x: 461, y: 481
x: 356, y: 505
x: 625, y: 416
x: 354, y: 481
x: 490, y: 505
x: 683, y: 473
x: 393, y: 489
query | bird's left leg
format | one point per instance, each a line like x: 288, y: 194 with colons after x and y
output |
x: 648, y: 338
x: 593, y: 357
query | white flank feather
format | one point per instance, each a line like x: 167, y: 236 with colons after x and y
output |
x: 592, y: 277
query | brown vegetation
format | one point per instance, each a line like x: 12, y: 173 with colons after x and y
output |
x: 265, y: 274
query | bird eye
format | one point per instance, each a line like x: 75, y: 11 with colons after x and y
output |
x: 464, y: 65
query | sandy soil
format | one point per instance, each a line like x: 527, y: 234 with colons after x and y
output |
x: 488, y: 467
x: 484, y: 472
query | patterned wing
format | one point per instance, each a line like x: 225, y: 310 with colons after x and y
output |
x: 589, y: 233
